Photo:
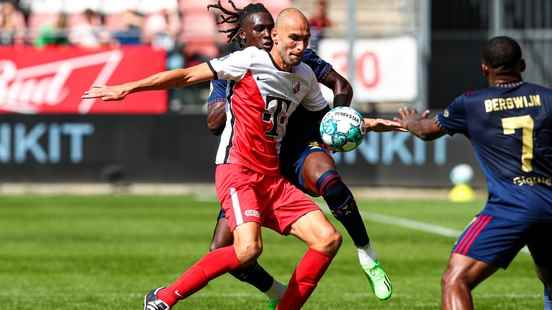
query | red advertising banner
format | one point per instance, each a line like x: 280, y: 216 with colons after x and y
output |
x: 52, y: 80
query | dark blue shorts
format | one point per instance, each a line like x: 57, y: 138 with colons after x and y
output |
x: 497, y: 241
x: 292, y: 170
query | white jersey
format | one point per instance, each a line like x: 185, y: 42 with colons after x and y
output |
x: 260, y: 99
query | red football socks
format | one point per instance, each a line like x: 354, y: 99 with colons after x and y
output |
x: 212, y: 265
x: 304, y: 280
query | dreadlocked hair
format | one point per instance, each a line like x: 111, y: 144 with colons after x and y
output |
x: 235, y: 16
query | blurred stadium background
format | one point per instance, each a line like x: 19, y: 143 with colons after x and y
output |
x: 405, y: 52
x: 418, y: 53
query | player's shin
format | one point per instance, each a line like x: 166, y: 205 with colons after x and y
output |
x: 257, y: 276
x: 304, y: 280
x: 212, y: 265
x: 341, y: 202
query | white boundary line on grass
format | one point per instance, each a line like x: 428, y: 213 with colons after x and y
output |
x: 391, y: 220
x: 408, y: 223
x: 415, y: 225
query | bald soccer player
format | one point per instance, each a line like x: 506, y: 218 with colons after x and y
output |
x: 266, y: 87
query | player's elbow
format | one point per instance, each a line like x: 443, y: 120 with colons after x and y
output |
x: 214, y: 128
x: 347, y: 89
x: 216, y: 117
x: 344, y: 92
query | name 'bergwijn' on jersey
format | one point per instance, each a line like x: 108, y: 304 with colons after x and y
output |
x: 510, y: 128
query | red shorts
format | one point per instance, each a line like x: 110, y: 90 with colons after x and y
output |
x: 248, y: 196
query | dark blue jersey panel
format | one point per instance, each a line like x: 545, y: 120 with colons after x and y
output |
x: 303, y: 126
x: 317, y: 64
x: 218, y: 91
x: 453, y: 118
x: 510, y: 129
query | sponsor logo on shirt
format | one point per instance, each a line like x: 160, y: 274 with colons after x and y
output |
x: 252, y: 213
x: 532, y: 181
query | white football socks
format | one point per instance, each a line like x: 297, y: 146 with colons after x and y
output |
x: 367, y: 256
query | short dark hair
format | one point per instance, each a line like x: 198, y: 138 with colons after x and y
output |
x: 502, y: 53
x: 235, y: 16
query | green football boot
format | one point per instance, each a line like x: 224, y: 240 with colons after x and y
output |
x: 381, y: 285
x: 272, y: 304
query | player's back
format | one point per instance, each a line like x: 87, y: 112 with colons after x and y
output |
x: 510, y: 128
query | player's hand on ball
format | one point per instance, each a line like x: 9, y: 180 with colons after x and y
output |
x: 381, y: 125
x: 106, y: 93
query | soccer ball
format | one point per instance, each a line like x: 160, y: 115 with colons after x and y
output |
x: 342, y: 129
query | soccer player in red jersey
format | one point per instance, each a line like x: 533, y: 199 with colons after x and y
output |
x: 266, y: 89
x: 303, y: 159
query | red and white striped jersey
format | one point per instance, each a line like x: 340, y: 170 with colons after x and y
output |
x: 260, y: 98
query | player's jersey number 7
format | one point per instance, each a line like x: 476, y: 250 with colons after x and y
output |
x: 525, y: 122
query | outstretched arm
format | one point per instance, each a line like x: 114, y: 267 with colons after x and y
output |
x: 420, y: 125
x: 381, y: 125
x: 343, y: 95
x: 342, y: 90
x: 159, y: 81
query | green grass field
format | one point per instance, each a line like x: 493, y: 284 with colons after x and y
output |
x: 105, y: 252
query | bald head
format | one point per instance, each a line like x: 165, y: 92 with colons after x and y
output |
x: 292, y: 17
x: 291, y: 36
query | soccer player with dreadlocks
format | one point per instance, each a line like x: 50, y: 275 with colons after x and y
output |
x: 303, y: 159
x: 265, y: 88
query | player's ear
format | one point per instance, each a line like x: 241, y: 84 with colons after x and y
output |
x: 522, y: 65
x: 274, y: 35
x: 484, y: 69
x: 241, y: 35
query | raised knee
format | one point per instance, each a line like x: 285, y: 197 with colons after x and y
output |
x: 453, y: 278
x: 330, y: 242
x: 335, y: 242
x: 248, y: 252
